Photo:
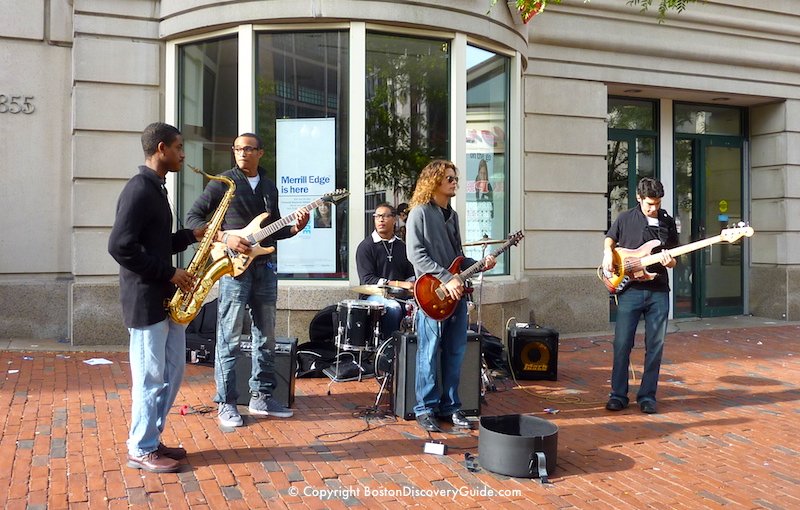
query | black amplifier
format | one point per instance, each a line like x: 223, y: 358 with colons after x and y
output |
x: 533, y: 351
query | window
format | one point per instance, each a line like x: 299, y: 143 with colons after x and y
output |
x: 296, y: 98
x: 301, y: 111
x: 486, y: 172
x: 407, y: 110
x: 632, y: 151
x: 207, y: 115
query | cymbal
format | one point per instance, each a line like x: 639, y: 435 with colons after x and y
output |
x: 381, y: 290
x: 372, y: 290
x: 484, y: 241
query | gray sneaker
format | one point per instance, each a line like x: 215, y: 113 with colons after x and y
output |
x: 229, y: 416
x: 260, y: 403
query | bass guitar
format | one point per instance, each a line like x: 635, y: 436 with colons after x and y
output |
x: 430, y: 293
x: 254, y: 234
x: 631, y: 264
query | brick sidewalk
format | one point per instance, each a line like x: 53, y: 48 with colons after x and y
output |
x: 726, y: 436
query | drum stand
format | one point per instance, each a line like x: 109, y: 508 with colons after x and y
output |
x: 333, y: 372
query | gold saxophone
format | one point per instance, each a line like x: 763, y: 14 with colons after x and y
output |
x: 184, y: 306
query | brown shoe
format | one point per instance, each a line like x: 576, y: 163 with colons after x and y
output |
x: 171, y: 453
x: 154, y: 462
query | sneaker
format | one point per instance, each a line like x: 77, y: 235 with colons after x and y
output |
x: 265, y: 405
x: 229, y: 416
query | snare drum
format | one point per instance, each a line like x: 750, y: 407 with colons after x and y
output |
x: 359, y: 325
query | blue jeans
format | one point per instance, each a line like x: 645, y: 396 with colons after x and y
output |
x: 451, y: 339
x: 392, y: 315
x: 257, y: 287
x: 158, y: 360
x: 631, y: 305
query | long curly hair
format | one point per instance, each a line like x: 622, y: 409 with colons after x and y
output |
x: 429, y: 181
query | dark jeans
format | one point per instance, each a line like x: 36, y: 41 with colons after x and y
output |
x: 631, y: 306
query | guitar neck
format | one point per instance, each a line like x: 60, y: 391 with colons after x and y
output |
x: 474, y: 268
x: 277, y: 225
x: 681, y: 250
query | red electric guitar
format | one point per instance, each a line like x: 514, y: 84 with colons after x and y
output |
x: 430, y: 293
x: 631, y: 265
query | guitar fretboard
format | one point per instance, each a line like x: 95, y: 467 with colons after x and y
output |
x: 270, y: 229
x: 474, y: 268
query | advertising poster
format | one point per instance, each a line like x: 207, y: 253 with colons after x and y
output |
x: 305, y: 170
x: 485, y: 189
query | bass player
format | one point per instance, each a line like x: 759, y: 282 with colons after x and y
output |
x: 433, y: 243
x: 650, y: 298
x: 257, y: 286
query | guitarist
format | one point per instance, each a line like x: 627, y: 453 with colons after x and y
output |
x: 433, y: 243
x: 256, y: 287
x: 650, y: 299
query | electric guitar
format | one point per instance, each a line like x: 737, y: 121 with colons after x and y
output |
x: 254, y: 234
x: 430, y: 293
x: 631, y: 264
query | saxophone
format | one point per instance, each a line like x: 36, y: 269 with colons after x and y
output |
x: 184, y: 306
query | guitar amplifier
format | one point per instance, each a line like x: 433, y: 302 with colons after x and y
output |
x: 285, y: 368
x: 404, y: 397
x: 533, y: 351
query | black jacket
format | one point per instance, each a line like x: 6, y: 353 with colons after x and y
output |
x: 142, y: 243
x: 247, y: 203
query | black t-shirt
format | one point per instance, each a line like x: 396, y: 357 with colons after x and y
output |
x: 631, y: 230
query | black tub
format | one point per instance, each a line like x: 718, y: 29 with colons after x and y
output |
x: 517, y: 445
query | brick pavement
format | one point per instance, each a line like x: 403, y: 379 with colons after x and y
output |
x: 725, y: 437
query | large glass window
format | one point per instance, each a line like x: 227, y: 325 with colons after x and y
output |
x: 301, y: 112
x: 486, y: 172
x: 300, y: 92
x: 407, y: 111
x: 207, y: 114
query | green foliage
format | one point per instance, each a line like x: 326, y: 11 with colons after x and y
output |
x: 530, y: 8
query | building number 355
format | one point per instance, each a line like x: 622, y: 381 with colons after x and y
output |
x: 12, y: 104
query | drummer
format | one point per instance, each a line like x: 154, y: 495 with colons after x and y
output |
x: 381, y: 260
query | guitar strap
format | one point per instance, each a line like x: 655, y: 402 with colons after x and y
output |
x: 663, y: 233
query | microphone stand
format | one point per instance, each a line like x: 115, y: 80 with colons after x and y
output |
x: 487, y: 381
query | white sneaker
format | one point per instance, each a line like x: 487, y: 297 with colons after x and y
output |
x: 229, y: 416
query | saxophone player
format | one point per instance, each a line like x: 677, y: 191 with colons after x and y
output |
x: 142, y: 242
x: 257, y: 286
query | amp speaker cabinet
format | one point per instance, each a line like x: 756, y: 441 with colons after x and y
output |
x: 534, y: 351
x: 285, y: 368
x: 404, y: 397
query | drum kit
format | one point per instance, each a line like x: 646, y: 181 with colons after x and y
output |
x: 359, y: 330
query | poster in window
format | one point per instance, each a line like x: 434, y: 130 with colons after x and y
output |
x: 305, y: 170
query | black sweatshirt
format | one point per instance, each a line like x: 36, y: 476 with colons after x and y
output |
x: 142, y: 243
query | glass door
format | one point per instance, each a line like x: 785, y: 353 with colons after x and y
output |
x: 708, y: 198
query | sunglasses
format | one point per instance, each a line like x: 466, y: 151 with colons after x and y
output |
x: 452, y: 178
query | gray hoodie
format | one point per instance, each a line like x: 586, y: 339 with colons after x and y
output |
x: 432, y: 243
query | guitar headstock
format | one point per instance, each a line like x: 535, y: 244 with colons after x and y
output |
x: 516, y: 237
x: 335, y: 195
x: 734, y: 234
